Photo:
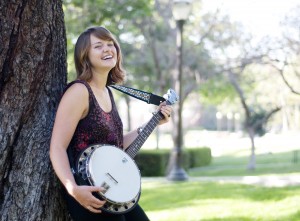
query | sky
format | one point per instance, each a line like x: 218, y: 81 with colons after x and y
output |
x: 261, y: 17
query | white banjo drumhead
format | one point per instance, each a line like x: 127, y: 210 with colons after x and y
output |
x: 114, y: 170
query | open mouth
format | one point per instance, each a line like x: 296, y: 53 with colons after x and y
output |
x: 107, y: 57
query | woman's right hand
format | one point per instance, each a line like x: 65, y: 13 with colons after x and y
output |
x: 84, y: 195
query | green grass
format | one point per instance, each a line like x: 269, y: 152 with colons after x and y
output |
x: 209, y: 201
x: 269, y: 163
x: 215, y: 201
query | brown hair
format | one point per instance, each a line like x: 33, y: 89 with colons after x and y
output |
x: 82, y: 62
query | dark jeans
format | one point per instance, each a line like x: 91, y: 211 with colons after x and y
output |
x: 79, y: 213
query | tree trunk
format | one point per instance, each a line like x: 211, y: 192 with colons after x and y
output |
x: 252, y: 160
x: 33, y: 74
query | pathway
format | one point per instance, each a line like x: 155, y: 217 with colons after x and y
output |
x: 267, y: 181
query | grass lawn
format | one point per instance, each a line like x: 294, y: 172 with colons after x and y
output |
x: 236, y: 165
x: 214, y: 201
x: 209, y: 201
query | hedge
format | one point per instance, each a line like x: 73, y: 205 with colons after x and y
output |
x: 152, y: 162
x: 155, y: 162
x: 199, y: 157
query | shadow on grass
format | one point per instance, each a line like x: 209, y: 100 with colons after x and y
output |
x: 172, y: 195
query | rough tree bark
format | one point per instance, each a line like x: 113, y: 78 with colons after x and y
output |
x: 33, y: 74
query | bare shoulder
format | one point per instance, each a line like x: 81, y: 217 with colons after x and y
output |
x: 77, y: 89
x: 76, y: 97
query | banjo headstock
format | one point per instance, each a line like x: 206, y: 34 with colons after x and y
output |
x: 171, y: 97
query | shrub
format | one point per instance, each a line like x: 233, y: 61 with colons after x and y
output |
x: 199, y: 157
x: 152, y: 162
x: 155, y: 162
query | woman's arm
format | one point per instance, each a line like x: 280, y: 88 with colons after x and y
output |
x: 72, y: 108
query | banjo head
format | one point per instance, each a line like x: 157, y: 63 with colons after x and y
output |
x: 114, y: 170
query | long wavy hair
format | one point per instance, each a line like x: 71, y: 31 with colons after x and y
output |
x: 82, y: 63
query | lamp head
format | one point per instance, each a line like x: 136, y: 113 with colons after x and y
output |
x: 181, y: 9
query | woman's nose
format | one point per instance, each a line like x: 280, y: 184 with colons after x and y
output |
x: 106, y: 48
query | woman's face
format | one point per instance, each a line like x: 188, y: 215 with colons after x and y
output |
x: 102, y: 54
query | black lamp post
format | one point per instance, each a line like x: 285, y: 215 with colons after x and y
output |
x: 181, y: 10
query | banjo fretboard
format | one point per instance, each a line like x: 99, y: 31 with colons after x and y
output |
x: 136, y: 145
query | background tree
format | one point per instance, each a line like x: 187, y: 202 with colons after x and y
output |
x: 236, y: 56
x: 286, y: 58
x: 33, y: 74
x: 256, y: 115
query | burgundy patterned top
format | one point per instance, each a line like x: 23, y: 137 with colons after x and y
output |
x: 98, y: 127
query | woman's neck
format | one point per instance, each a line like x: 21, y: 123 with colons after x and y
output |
x: 99, y: 80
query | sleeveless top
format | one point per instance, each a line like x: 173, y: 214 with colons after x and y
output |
x: 98, y: 127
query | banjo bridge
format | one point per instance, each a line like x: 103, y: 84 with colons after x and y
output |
x: 105, y: 185
x: 112, y: 178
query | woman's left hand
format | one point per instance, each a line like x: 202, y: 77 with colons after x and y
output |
x: 166, y: 110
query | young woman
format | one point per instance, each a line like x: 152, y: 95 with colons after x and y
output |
x: 87, y: 115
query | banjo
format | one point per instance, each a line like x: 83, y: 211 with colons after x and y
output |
x: 114, y: 169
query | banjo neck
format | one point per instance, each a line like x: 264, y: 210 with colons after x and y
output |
x: 136, y: 145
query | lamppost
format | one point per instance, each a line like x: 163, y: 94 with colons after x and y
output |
x: 181, y: 10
